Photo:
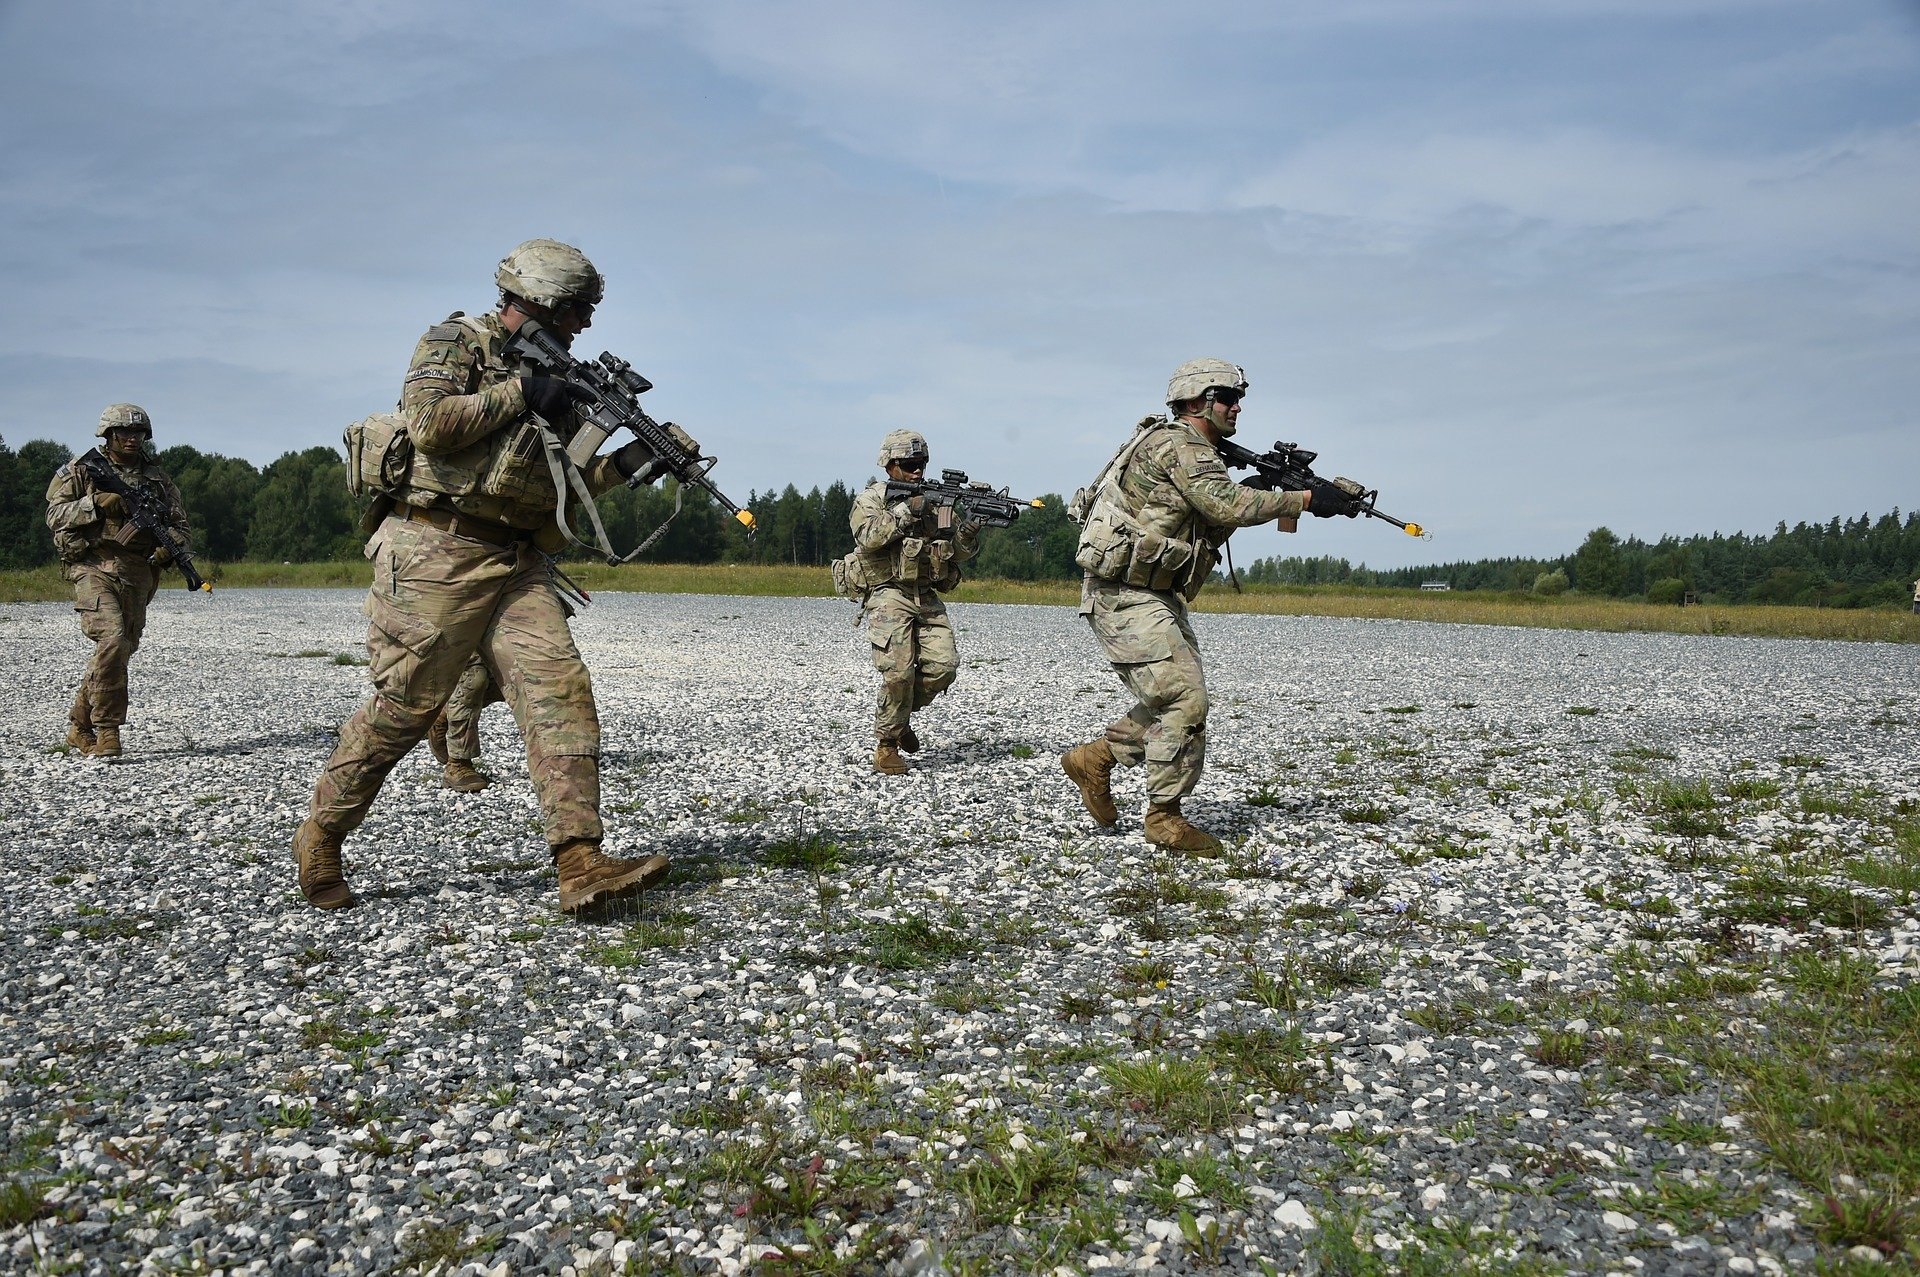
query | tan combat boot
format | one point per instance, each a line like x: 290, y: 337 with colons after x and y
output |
x: 106, y: 742
x: 461, y: 776
x: 589, y: 875
x: 437, y: 739
x: 1166, y: 827
x: 1090, y: 766
x: 322, y: 881
x: 887, y: 760
x: 81, y: 737
x: 909, y: 743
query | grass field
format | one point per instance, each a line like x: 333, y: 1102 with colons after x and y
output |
x: 1565, y: 612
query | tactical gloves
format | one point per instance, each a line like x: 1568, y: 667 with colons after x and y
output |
x: 1333, y: 496
x: 550, y: 396
x: 635, y: 462
x: 160, y: 557
x: 110, y: 504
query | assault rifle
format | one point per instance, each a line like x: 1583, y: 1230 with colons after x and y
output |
x: 1289, y: 468
x: 610, y: 393
x: 976, y: 502
x: 145, y: 513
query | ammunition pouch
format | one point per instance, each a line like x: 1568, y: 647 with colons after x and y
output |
x: 1114, y: 547
x: 850, y: 577
x: 70, y: 546
x: 912, y: 563
x: 379, y: 454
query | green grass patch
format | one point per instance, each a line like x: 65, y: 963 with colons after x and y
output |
x: 1777, y: 899
x: 815, y: 853
x: 342, y: 1037
x: 917, y: 942
x: 1007, y: 1184
x: 1179, y: 1092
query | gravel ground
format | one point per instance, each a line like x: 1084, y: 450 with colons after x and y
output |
x: 872, y: 1019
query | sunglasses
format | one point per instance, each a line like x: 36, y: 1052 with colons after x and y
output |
x: 915, y: 464
x: 1229, y: 398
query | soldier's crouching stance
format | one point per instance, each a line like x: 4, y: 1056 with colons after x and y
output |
x: 458, y: 570
x: 1153, y: 524
x: 114, y: 567
x: 904, y: 554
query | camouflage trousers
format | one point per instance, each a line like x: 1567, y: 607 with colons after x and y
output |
x: 1149, y: 642
x: 437, y: 601
x: 113, y: 613
x: 474, y: 692
x: 913, y: 650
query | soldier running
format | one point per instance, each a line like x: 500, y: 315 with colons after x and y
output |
x: 460, y: 569
x: 114, y: 566
x: 1153, y: 524
x: 905, y: 555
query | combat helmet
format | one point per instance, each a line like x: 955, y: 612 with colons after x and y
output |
x: 1197, y: 376
x: 124, y: 416
x: 549, y: 273
x: 901, y: 444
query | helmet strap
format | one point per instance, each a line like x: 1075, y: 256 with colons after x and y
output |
x: 1217, y: 416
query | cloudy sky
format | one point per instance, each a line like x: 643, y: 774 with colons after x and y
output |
x: 1528, y: 266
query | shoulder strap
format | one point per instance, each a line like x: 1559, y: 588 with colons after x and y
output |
x: 1108, y: 484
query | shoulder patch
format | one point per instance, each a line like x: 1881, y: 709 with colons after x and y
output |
x: 453, y: 328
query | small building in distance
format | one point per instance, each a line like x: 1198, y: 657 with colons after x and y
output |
x: 1436, y: 585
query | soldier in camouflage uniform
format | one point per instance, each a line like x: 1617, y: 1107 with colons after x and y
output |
x: 114, y: 567
x: 454, y: 737
x: 459, y: 570
x: 904, y: 554
x: 1153, y: 525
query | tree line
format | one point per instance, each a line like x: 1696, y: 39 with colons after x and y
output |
x: 296, y: 509
x: 1863, y: 562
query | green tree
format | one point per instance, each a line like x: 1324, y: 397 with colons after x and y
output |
x: 24, y: 476
x: 302, y: 512
x: 1670, y: 590
x: 1039, y: 546
x: 218, y: 493
x: 1597, y: 564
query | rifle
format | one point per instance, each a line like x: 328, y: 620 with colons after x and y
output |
x: 1289, y: 468
x: 977, y: 502
x: 611, y: 392
x: 144, y: 513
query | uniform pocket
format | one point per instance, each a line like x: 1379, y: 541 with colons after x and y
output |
x: 1132, y: 631
x: 398, y: 644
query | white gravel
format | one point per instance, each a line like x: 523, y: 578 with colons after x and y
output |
x: 198, y: 1072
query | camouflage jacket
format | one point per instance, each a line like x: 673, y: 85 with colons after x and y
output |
x: 896, y: 547
x: 477, y: 446
x: 1159, y: 518
x: 83, y: 535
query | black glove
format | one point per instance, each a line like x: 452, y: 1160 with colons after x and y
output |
x: 1330, y: 499
x: 550, y: 396
x: 634, y: 459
